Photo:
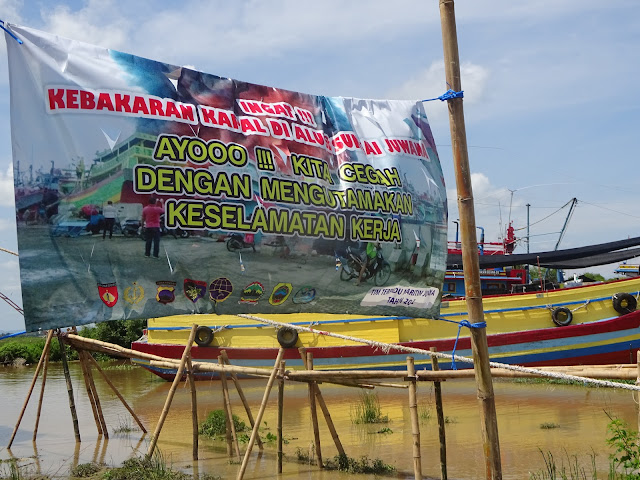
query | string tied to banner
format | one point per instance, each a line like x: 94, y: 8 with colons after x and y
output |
x: 13, y: 35
x: 448, y: 95
x: 463, y: 323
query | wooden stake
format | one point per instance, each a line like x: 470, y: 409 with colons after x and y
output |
x: 263, y: 406
x: 415, y: 424
x: 115, y: 390
x: 437, y: 386
x: 33, y: 382
x: 247, y: 409
x: 638, y: 383
x: 172, y: 391
x: 85, y: 376
x: 470, y: 262
x: 46, y: 352
x: 194, y: 408
x: 96, y: 397
x: 72, y: 403
x: 323, y: 406
x: 280, y: 413
x: 232, y: 438
x: 314, y: 413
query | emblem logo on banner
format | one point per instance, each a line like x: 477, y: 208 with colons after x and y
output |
x: 133, y: 294
x: 305, y: 295
x: 280, y: 293
x: 194, y: 289
x: 220, y: 289
x: 108, y: 293
x: 166, y: 292
x: 252, y: 293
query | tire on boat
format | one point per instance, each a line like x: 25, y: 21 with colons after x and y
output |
x: 624, y: 303
x: 562, y: 316
x: 287, y: 337
x: 204, y: 336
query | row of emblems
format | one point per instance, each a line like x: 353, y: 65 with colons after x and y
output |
x: 220, y: 290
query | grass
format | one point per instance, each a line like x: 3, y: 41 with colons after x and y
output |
x: 124, y: 426
x: 367, y: 410
x: 215, y: 425
x: 344, y: 463
x: 85, y: 470
x: 424, y: 413
x: 549, y: 425
x: 145, y: 468
x: 572, y: 470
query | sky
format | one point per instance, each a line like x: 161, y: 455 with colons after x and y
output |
x: 550, y: 92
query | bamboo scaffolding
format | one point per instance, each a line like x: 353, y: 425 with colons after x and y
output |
x: 172, y: 391
x: 33, y: 383
x: 72, y: 404
x: 440, y: 414
x: 117, y: 393
x: 94, y: 390
x: 265, y: 398
x: 312, y: 406
x: 280, y: 414
x: 243, y: 399
x: 46, y: 353
x: 194, y: 408
x: 232, y: 438
x: 415, y: 424
x: 92, y: 402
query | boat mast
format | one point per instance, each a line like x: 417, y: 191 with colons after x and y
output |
x: 470, y: 259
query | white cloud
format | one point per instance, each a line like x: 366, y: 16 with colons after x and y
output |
x: 6, y: 187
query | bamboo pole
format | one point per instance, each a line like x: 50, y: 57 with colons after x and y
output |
x: 415, y: 424
x: 232, y: 438
x: 92, y: 384
x: 243, y: 399
x: 47, y: 353
x: 117, y: 393
x: 67, y: 376
x: 265, y: 398
x: 440, y: 414
x: 172, y: 391
x: 280, y: 413
x: 638, y: 383
x: 470, y: 262
x: 323, y: 407
x: 92, y: 402
x: 33, y: 383
x: 312, y: 405
x: 194, y: 408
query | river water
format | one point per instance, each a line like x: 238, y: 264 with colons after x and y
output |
x: 578, y: 414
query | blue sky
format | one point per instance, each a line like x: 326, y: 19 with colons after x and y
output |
x: 551, y: 98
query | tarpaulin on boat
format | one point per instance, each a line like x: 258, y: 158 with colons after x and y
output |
x: 261, y: 193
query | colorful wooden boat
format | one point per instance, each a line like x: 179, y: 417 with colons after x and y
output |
x: 591, y: 324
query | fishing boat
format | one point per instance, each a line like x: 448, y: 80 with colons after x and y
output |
x: 594, y: 323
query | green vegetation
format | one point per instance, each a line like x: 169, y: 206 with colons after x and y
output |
x: 385, y: 430
x: 367, y: 410
x: 215, y: 425
x: 144, y: 468
x: 344, y: 463
x: 85, y: 470
x: 119, y: 332
x: 624, y: 462
x: 305, y: 457
x: 28, y: 348
x: 549, y: 425
x: 424, y: 413
x: 124, y: 426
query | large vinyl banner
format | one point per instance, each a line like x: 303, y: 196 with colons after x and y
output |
x: 145, y: 189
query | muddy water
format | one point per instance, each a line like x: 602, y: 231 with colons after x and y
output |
x: 578, y: 412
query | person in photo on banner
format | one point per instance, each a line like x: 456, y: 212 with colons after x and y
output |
x: 109, y: 213
x: 151, y: 222
x: 367, y: 258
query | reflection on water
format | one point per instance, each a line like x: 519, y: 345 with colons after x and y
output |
x: 578, y: 412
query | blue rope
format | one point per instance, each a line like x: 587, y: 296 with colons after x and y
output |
x: 13, y: 35
x: 12, y: 334
x: 448, y: 95
x: 463, y: 323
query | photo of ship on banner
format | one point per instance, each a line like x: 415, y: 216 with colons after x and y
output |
x: 145, y: 189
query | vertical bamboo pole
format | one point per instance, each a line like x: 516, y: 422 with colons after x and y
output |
x: 415, y: 424
x: 280, y: 413
x: 33, y: 383
x: 117, y: 393
x: 473, y: 293
x: 85, y: 376
x: 172, y: 391
x: 263, y: 406
x: 94, y: 390
x: 314, y: 412
x: 440, y: 414
x: 194, y: 408
x: 325, y: 410
x: 247, y: 409
x: 232, y: 438
x: 638, y: 383
x: 72, y: 403
x: 47, y: 353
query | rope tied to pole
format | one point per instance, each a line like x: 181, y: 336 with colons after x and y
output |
x: 448, y: 95
x: 468, y: 324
